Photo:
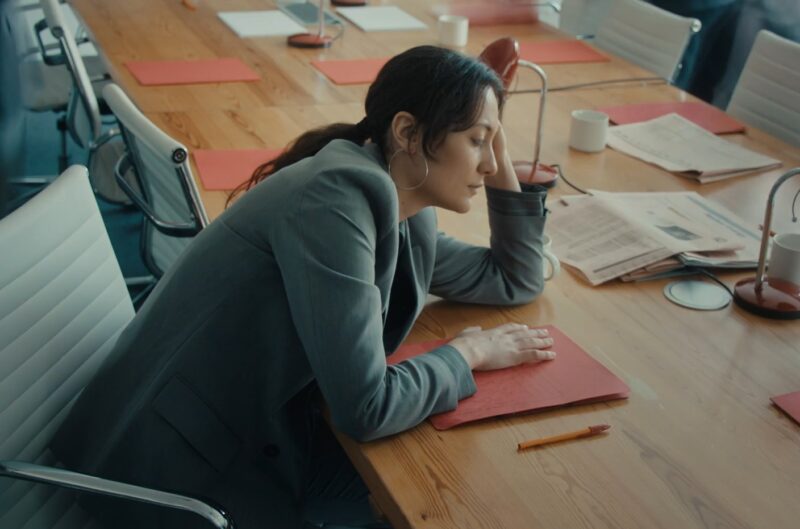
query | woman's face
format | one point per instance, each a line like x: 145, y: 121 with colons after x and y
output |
x: 463, y: 160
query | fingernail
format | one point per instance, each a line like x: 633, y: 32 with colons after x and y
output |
x: 550, y: 355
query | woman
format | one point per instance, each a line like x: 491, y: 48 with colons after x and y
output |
x: 299, y: 290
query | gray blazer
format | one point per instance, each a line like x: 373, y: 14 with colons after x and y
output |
x: 304, y: 285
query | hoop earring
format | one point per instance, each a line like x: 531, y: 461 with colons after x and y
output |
x: 415, y: 186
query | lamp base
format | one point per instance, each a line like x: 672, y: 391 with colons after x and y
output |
x: 349, y: 2
x: 777, y: 299
x: 545, y: 175
x: 309, y: 40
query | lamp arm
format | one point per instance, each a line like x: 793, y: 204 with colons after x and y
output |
x: 762, y: 256
x: 321, y: 20
x: 540, y: 121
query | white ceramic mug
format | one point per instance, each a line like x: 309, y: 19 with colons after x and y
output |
x: 784, y: 259
x: 547, y: 252
x: 453, y: 31
x: 587, y: 130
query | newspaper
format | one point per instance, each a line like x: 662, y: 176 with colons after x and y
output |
x: 676, y: 144
x: 609, y: 235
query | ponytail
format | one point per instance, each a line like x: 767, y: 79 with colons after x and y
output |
x: 443, y: 89
x: 306, y: 145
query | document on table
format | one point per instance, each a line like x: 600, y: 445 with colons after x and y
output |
x: 609, y: 235
x: 678, y: 145
x: 260, y: 23
x: 381, y: 18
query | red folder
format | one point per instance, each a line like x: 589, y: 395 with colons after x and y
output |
x: 151, y: 73
x: 224, y: 170
x: 573, y: 377
x: 560, y: 52
x: 358, y: 71
x: 790, y: 404
x: 482, y: 13
x: 707, y: 116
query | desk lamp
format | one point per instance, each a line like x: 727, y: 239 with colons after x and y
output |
x: 313, y: 40
x: 502, y: 56
x: 766, y: 296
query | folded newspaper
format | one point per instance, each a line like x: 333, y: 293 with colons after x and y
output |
x: 633, y: 236
x: 676, y: 144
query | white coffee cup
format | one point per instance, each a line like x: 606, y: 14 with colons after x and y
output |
x: 587, y: 130
x: 453, y: 30
x: 547, y: 253
x: 784, y: 259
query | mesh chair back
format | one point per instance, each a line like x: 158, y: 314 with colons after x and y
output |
x: 63, y: 303
x: 168, y: 185
x: 646, y: 35
x: 581, y: 18
x: 767, y: 95
x: 83, y: 112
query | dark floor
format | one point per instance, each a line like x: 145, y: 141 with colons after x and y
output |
x: 40, y: 158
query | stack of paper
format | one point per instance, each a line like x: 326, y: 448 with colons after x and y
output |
x: 678, y: 145
x: 639, y: 235
x: 260, y: 23
x: 573, y: 377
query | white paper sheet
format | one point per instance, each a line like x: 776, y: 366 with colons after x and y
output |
x: 609, y: 235
x: 381, y: 18
x: 676, y: 144
x: 260, y: 23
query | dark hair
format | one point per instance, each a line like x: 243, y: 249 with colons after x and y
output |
x: 442, y: 89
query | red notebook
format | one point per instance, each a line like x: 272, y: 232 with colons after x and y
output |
x: 707, y: 116
x: 573, y: 377
x: 152, y: 73
x: 790, y: 404
x: 224, y: 170
x: 560, y: 52
x: 357, y: 71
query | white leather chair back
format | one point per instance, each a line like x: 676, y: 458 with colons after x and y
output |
x: 767, y: 95
x: 581, y: 18
x: 63, y: 303
x: 83, y: 111
x: 646, y: 35
x: 166, y: 179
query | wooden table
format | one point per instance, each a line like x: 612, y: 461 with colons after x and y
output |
x: 697, y: 445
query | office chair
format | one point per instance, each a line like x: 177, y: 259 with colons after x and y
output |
x: 63, y: 305
x: 767, y: 94
x: 646, y: 35
x: 83, y: 118
x: 168, y: 194
x: 581, y: 18
x: 44, y: 77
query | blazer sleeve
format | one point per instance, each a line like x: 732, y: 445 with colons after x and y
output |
x: 511, y: 271
x: 326, y: 252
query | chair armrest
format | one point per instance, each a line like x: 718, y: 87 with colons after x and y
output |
x: 85, y: 483
x: 49, y: 59
x: 167, y: 228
